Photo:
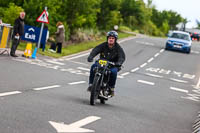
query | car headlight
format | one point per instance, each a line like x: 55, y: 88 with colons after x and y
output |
x: 169, y: 42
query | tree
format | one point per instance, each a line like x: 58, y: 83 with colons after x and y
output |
x: 109, y: 14
x: 11, y: 13
x: 81, y: 13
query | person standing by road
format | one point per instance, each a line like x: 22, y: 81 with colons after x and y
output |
x: 60, y: 36
x: 17, y: 33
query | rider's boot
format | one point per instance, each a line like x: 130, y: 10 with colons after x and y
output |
x: 89, y: 88
x: 112, y: 92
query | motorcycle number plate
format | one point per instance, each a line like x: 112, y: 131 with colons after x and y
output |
x: 102, y: 62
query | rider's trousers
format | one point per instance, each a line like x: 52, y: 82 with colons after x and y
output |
x: 113, y: 75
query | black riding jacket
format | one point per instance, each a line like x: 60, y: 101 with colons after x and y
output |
x: 116, y: 54
x: 19, y: 27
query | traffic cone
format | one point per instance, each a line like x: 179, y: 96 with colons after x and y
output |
x: 34, y: 53
x: 28, y: 50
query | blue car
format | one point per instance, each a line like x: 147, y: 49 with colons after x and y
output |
x: 179, y: 40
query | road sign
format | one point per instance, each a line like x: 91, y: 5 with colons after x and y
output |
x: 76, y: 126
x: 32, y: 34
x: 43, y: 18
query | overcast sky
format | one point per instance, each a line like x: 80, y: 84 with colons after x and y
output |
x: 189, y: 9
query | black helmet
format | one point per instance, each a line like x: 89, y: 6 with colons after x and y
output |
x: 113, y: 34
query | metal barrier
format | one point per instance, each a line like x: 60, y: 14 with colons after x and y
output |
x: 5, y: 37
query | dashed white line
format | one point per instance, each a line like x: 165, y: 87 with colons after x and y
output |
x: 156, y: 54
x: 145, y: 82
x: 143, y: 65
x: 178, y: 89
x: 178, y: 80
x: 153, y: 75
x: 134, y: 70
x: 9, y: 93
x: 79, y: 82
x: 47, y: 87
x: 162, y: 50
x: 150, y: 60
x: 120, y: 77
x: 82, y: 68
x: 124, y: 74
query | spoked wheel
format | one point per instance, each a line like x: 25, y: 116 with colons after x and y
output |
x: 95, y: 90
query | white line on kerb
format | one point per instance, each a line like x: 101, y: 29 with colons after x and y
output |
x: 178, y: 89
x: 9, y: 93
x: 156, y: 54
x: 143, y: 65
x: 126, y: 73
x: 146, y: 82
x: 79, y: 82
x: 134, y: 70
x: 150, y: 60
x: 48, y: 87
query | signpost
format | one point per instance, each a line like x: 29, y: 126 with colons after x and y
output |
x: 43, y: 18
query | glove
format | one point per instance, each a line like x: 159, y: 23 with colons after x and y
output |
x: 90, y: 59
x: 117, y: 64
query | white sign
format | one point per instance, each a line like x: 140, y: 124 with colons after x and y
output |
x: 76, y: 126
x: 43, y: 17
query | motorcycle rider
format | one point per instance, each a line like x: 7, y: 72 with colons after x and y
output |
x: 111, y: 51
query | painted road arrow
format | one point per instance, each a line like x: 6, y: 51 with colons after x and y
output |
x: 76, y: 126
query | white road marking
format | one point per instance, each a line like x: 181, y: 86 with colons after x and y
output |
x: 143, y: 65
x: 177, y: 80
x: 124, y: 74
x: 178, y: 89
x: 9, y: 93
x: 78, y: 56
x: 79, y: 82
x: 162, y: 50
x: 134, y: 70
x: 150, y: 44
x: 127, y: 39
x: 198, y: 83
x: 48, y: 87
x: 76, y: 126
x: 146, y: 82
x: 153, y: 75
x: 196, y: 52
x: 84, y: 64
x: 54, y: 62
x: 120, y: 77
x: 82, y: 68
x: 150, y: 60
x: 156, y: 54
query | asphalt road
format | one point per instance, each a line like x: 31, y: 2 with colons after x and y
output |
x: 157, y: 91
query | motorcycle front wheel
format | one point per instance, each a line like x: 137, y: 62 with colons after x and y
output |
x: 95, y: 90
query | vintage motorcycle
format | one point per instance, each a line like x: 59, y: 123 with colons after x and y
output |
x: 100, y: 88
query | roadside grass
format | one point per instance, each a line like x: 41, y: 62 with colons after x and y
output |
x: 72, y: 48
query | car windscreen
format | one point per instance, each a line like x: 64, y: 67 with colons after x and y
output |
x: 180, y: 36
